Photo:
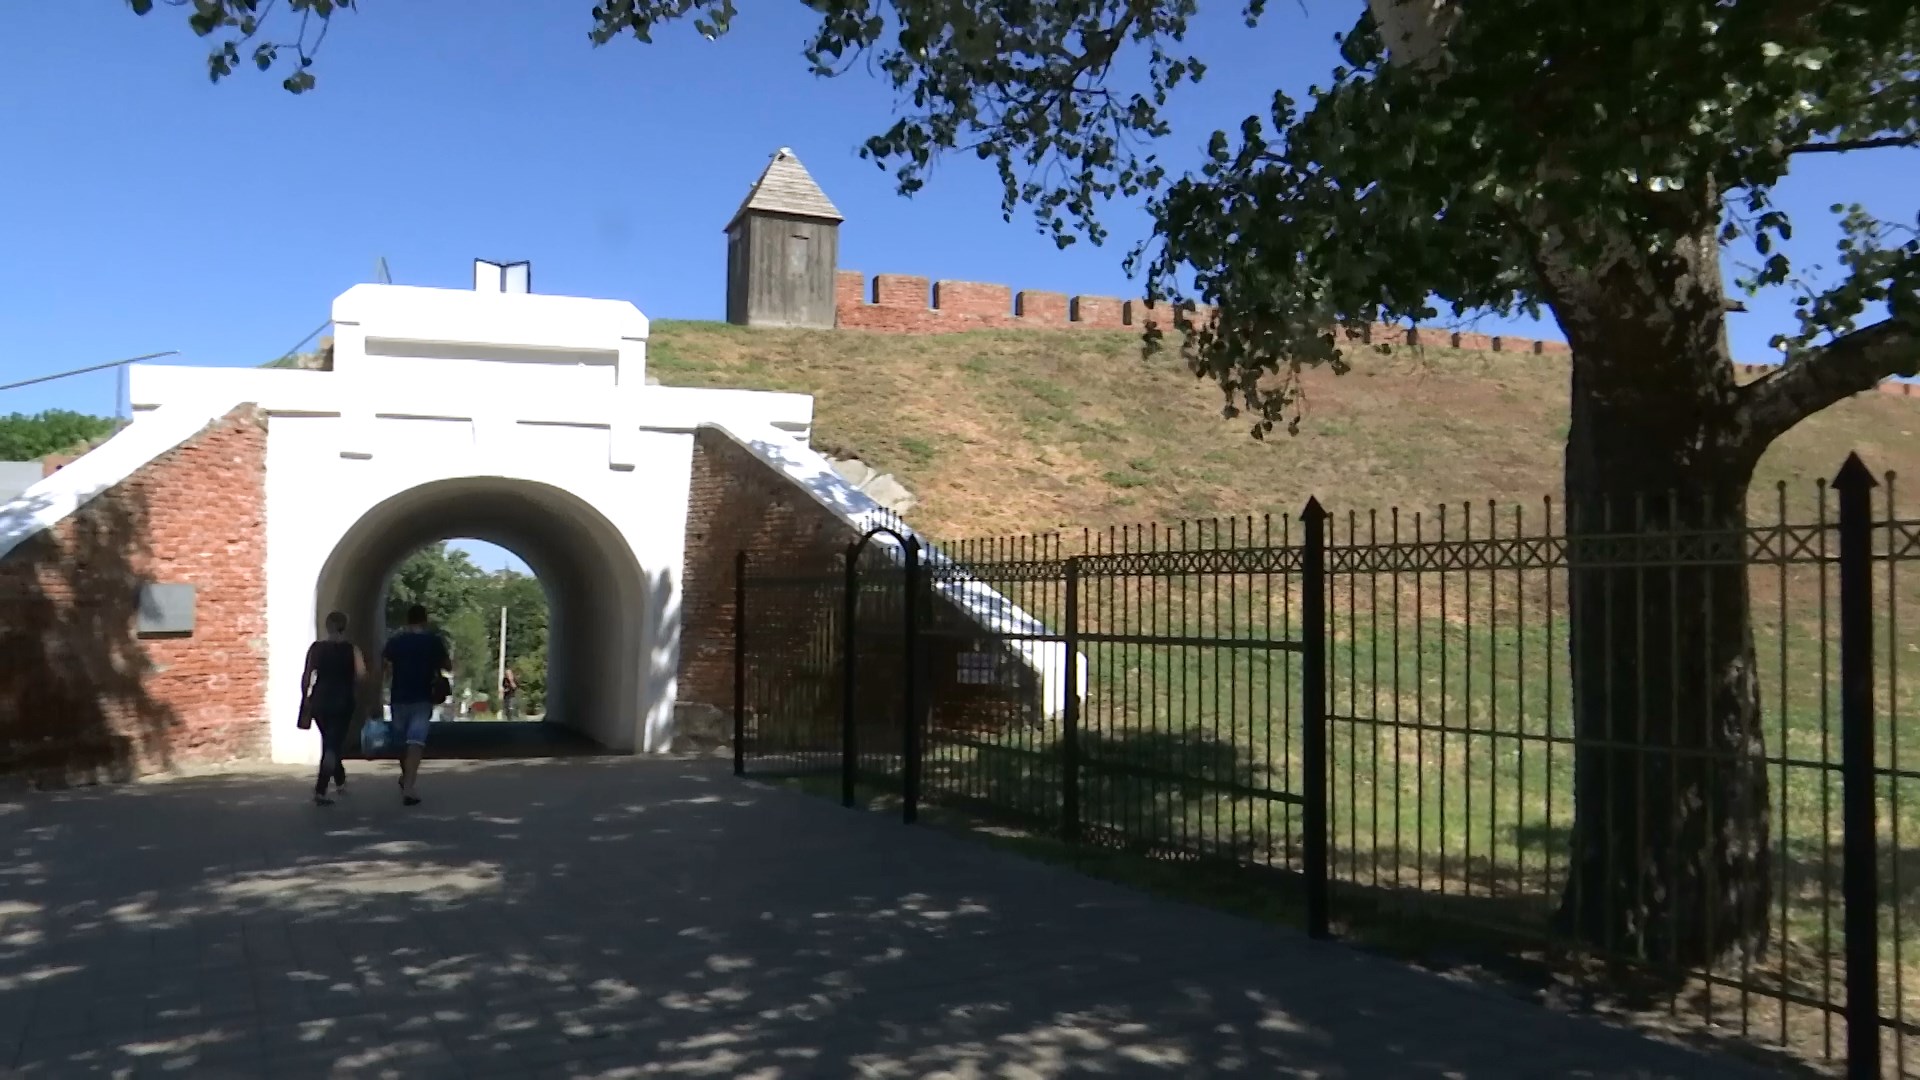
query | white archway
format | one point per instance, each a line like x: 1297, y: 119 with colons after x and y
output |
x: 522, y: 419
x: 603, y: 607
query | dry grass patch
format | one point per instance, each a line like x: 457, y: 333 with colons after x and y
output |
x: 1005, y: 431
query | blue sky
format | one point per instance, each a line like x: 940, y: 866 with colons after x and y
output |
x: 145, y: 209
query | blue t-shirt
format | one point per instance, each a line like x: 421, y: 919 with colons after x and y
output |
x: 417, y: 656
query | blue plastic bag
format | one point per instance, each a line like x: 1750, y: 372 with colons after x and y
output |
x: 376, y: 738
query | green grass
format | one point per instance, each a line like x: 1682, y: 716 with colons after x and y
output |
x: 918, y: 450
x: 1447, y: 799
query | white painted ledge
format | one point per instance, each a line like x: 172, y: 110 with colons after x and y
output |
x: 513, y: 320
x: 536, y: 399
x: 986, y: 606
x: 54, y: 498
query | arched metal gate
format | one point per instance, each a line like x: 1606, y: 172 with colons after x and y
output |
x: 867, y: 723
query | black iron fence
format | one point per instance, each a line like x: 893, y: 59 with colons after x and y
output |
x: 1654, y: 749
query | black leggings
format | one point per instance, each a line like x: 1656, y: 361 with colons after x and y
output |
x: 333, y: 718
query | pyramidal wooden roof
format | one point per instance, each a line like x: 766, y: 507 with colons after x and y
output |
x: 787, y: 188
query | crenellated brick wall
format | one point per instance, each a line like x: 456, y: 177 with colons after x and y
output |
x: 905, y: 304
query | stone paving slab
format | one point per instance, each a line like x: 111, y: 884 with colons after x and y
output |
x: 626, y: 918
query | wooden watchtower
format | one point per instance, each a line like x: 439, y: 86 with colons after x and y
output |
x: 783, y: 246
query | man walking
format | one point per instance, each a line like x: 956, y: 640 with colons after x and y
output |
x: 418, y: 671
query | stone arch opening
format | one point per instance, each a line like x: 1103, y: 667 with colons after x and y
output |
x: 597, y: 595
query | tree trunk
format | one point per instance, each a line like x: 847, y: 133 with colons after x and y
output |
x: 1671, y: 862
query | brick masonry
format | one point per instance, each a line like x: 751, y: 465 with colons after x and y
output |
x: 736, y: 501
x: 899, y: 304
x: 905, y: 304
x: 739, y: 502
x: 82, y: 696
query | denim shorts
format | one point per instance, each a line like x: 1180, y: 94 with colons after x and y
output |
x: 410, y: 722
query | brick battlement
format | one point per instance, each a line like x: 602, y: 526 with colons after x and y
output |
x: 906, y: 304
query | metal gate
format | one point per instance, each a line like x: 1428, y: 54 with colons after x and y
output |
x: 833, y: 684
x: 827, y: 669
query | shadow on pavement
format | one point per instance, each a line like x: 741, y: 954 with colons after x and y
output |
x: 623, y: 918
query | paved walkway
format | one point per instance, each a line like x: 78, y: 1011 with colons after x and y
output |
x: 637, y: 919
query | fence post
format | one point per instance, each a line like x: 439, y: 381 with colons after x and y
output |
x: 740, y: 663
x: 1070, y: 713
x: 848, y: 646
x: 910, y: 730
x: 1313, y: 711
x: 1860, y: 874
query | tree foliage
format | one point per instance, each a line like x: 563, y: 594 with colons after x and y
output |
x: 465, y: 629
x: 1537, y: 149
x: 25, y: 437
x: 464, y: 602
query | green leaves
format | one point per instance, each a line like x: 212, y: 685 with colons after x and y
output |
x: 711, y: 18
x: 1882, y: 263
x: 240, y: 22
x: 26, y: 437
x: 465, y: 602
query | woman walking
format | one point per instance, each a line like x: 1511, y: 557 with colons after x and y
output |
x: 327, y: 692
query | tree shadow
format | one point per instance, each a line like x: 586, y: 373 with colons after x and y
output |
x: 617, y: 916
x: 75, y: 702
x: 1193, y: 817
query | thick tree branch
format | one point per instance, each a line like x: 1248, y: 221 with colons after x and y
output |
x: 1842, y: 146
x: 1817, y: 378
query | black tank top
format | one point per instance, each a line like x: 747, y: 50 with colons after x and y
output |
x: 332, y: 665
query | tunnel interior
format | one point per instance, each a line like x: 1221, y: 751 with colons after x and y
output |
x: 595, y: 597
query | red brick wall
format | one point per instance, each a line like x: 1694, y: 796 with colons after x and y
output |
x: 972, y: 298
x: 899, y: 304
x: 1103, y: 312
x: 899, y: 290
x: 738, y: 501
x: 83, y: 696
x: 1041, y: 307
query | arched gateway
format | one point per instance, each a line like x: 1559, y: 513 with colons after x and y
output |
x: 512, y: 417
x: 161, y: 590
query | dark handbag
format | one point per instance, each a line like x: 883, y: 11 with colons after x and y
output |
x: 442, y: 689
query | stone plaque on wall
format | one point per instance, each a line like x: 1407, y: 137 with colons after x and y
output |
x: 165, y: 609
